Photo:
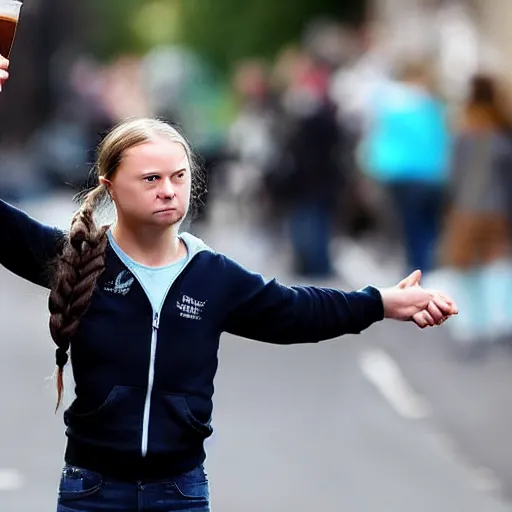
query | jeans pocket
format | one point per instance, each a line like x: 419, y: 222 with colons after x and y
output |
x: 193, y: 485
x: 77, y: 483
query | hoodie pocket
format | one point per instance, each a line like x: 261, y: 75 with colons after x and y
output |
x: 115, y: 424
x: 174, y: 424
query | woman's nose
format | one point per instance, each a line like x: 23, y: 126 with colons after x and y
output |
x: 166, y: 189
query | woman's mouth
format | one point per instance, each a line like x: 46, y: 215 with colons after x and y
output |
x: 165, y: 210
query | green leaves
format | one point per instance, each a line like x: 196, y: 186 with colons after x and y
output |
x: 229, y: 30
x: 224, y: 31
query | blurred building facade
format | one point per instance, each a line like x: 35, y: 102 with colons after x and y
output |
x: 462, y: 36
x: 494, y: 22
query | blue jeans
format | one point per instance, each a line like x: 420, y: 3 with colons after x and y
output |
x: 310, y: 230
x: 420, y: 207
x: 82, y: 490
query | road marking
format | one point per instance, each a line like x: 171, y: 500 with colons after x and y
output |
x: 480, y: 478
x: 10, y: 480
x: 355, y: 263
x: 383, y: 372
x: 484, y: 479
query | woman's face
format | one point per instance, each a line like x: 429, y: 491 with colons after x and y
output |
x: 151, y: 186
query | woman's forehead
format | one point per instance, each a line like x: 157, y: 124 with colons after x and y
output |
x: 165, y: 153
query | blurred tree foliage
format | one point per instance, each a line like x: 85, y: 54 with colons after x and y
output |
x: 221, y: 30
x: 228, y: 30
x: 111, y: 32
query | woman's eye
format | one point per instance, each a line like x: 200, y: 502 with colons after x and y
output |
x: 151, y: 179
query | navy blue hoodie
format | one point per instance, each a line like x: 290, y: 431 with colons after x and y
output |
x: 144, y: 378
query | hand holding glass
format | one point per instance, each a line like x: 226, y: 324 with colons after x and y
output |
x: 9, y: 17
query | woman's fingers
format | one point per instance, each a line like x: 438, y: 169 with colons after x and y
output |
x: 4, y: 75
x: 412, y: 279
x: 444, y: 303
x: 435, y: 312
x: 423, y: 319
x: 450, y: 302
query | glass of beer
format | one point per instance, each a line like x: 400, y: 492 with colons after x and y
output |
x: 9, y: 17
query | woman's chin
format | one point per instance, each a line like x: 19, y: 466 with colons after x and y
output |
x: 167, y: 218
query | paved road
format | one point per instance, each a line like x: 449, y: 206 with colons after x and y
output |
x: 330, y: 427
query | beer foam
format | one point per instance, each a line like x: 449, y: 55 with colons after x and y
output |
x: 10, y: 10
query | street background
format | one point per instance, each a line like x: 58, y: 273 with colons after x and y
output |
x: 344, y: 146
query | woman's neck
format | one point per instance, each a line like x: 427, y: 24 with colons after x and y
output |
x: 150, y: 247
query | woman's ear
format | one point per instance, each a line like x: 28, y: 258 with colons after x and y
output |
x: 103, y: 181
x: 107, y: 184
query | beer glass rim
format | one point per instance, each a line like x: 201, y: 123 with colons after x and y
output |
x: 15, y: 5
x: 10, y: 8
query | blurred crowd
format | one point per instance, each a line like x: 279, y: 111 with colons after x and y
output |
x: 329, y: 140
x: 332, y: 140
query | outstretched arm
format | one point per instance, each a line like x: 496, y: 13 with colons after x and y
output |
x: 27, y: 247
x: 271, y: 312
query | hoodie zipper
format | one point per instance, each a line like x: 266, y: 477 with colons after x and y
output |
x: 151, y: 380
x: 151, y: 371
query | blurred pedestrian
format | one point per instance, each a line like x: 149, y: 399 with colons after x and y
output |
x: 476, y: 245
x: 252, y: 140
x: 308, y: 176
x: 407, y: 150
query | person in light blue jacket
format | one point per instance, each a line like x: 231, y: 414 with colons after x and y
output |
x: 407, y: 150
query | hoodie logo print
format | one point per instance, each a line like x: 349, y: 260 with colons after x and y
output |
x: 190, y: 308
x: 121, y: 285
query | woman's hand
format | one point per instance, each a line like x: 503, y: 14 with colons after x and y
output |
x: 408, y: 301
x: 4, y: 75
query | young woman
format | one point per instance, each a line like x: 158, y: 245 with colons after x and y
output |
x: 142, y: 308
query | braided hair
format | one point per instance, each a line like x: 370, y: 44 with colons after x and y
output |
x: 79, y: 266
x: 82, y: 259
